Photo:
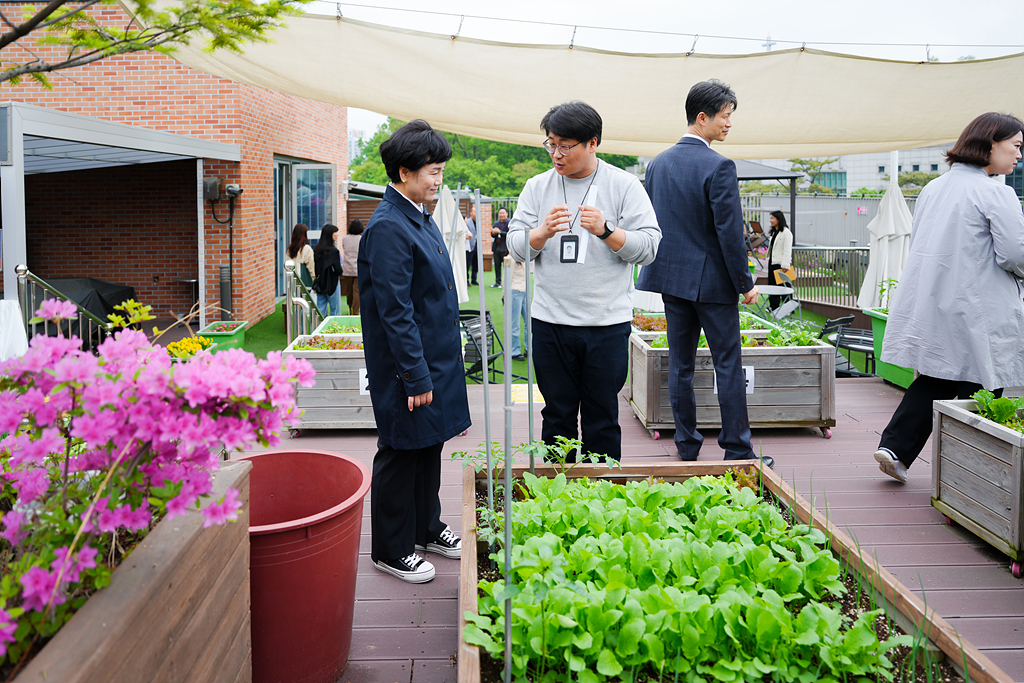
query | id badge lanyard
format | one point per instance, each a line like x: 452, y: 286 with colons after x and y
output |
x: 569, y: 245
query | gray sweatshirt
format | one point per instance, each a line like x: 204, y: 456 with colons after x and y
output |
x: 599, y: 291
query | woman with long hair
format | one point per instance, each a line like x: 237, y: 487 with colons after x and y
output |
x: 780, y: 253
x: 327, y: 260
x: 300, y: 252
x: 410, y: 316
x: 349, y: 265
x: 957, y: 316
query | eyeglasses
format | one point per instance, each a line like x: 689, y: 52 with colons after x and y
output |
x: 562, y: 149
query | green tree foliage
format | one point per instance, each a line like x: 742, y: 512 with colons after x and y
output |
x: 498, y: 169
x: 865, y: 192
x: 812, y: 168
x: 916, y: 180
x: 228, y: 24
x: 757, y: 187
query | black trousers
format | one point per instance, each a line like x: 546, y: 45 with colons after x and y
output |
x: 471, y: 266
x: 405, y: 508
x: 911, y: 424
x: 496, y: 259
x: 721, y: 326
x: 774, y: 301
x: 580, y: 371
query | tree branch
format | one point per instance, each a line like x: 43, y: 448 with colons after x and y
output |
x: 19, y: 32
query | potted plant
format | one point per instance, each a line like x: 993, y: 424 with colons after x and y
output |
x: 896, y: 374
x: 94, y: 451
x: 228, y: 334
x: 340, y: 397
x: 976, y: 469
x: 340, y: 324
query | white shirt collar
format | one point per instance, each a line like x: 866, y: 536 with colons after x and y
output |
x: 419, y: 207
x: 697, y: 137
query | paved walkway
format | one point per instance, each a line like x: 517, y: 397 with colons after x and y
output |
x: 406, y: 633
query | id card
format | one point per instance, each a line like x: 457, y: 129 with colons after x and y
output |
x: 569, y: 249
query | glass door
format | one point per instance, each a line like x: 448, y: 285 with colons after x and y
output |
x: 283, y: 210
x: 315, y: 196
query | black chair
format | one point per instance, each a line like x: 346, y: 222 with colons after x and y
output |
x: 475, y: 334
x: 839, y: 333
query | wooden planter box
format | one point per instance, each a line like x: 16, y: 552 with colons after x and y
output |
x: 978, y: 476
x: 900, y: 603
x: 340, y: 319
x: 340, y: 398
x: 794, y: 386
x: 177, y: 609
x: 898, y: 375
x: 226, y: 340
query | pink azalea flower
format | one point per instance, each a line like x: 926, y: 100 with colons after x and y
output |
x: 220, y: 513
x: 55, y: 309
x: 30, y: 483
x: 178, y: 505
x: 13, y: 532
x: 37, y: 587
x: 8, y: 626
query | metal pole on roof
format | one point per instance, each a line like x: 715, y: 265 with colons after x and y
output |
x: 507, y: 291
x: 484, y: 354
x: 527, y: 336
x: 894, y: 169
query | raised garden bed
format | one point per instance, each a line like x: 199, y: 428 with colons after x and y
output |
x: 978, y: 476
x: 897, y: 374
x: 340, y: 399
x: 340, y: 324
x: 226, y: 334
x: 900, y: 604
x: 794, y: 386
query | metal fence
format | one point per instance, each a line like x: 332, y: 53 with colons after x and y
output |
x: 32, y: 292
x: 301, y: 315
x: 820, y: 220
x: 831, y: 275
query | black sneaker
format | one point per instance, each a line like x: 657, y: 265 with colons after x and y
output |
x: 447, y: 544
x: 411, y: 568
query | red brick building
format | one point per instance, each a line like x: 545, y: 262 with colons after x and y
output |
x: 142, y: 221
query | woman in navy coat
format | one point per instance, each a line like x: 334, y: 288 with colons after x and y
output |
x: 413, y: 346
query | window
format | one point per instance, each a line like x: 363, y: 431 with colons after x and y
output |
x: 881, y: 169
x: 917, y: 167
x: 1016, y: 179
x: 935, y: 167
x: 834, y: 180
x: 899, y: 169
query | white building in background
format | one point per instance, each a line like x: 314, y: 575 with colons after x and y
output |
x: 354, y: 138
x: 855, y: 171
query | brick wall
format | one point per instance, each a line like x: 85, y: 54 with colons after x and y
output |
x: 154, y: 91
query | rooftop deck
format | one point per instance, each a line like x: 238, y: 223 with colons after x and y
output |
x: 409, y: 633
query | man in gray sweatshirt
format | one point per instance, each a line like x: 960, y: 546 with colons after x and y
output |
x: 588, y: 223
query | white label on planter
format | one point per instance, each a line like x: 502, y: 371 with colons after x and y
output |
x: 748, y: 370
x: 364, y: 384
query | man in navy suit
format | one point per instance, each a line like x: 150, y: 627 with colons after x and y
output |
x: 701, y: 269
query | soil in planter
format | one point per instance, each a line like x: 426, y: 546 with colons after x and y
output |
x: 854, y: 602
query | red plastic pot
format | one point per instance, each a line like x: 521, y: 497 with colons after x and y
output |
x: 306, y: 511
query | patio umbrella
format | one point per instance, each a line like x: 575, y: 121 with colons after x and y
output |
x: 890, y: 244
x: 453, y: 231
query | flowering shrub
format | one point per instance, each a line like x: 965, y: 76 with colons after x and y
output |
x: 188, y: 347
x: 93, y: 448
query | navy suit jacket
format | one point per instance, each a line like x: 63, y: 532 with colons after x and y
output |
x: 702, y: 256
x: 410, y: 314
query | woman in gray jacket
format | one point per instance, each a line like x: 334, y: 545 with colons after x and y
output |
x: 958, y: 313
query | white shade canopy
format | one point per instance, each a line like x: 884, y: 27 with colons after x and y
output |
x: 792, y: 103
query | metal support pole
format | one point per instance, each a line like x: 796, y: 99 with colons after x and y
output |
x: 289, y: 294
x: 507, y: 290
x: 528, y: 337
x: 484, y: 354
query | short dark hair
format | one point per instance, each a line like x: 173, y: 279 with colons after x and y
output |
x: 574, y: 120
x: 355, y: 227
x: 974, y: 147
x: 413, y: 146
x: 709, y: 97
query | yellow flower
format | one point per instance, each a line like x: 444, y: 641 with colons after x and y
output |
x: 188, y: 347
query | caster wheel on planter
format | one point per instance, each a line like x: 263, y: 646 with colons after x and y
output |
x: 1016, y: 570
x: 294, y: 433
x: 950, y: 522
x: 826, y: 432
x: 464, y: 433
x: 655, y: 434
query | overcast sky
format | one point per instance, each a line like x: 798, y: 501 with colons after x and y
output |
x: 952, y: 28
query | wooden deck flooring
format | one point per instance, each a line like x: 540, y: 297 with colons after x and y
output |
x: 408, y: 634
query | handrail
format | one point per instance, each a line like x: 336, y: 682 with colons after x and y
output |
x: 27, y: 299
x: 301, y: 315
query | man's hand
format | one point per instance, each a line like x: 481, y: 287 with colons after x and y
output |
x: 750, y: 298
x: 421, y: 400
x: 555, y: 222
x: 592, y: 220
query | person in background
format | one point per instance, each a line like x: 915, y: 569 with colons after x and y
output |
x: 498, y: 250
x: 349, y: 269
x: 584, y: 224
x: 471, y: 245
x: 780, y: 253
x: 520, y: 331
x: 957, y: 316
x: 327, y: 262
x: 413, y: 348
x: 300, y: 252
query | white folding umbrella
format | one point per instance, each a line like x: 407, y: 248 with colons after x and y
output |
x: 453, y: 230
x: 890, y: 244
x: 649, y: 302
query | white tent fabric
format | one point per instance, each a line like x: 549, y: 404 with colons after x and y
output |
x: 453, y: 230
x: 792, y: 103
x: 890, y: 245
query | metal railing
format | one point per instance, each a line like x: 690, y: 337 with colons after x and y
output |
x: 33, y: 291
x: 831, y: 275
x: 301, y: 315
x: 820, y: 220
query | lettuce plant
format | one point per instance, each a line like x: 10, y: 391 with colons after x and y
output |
x: 94, y: 448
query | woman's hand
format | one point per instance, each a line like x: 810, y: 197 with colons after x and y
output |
x: 420, y: 400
